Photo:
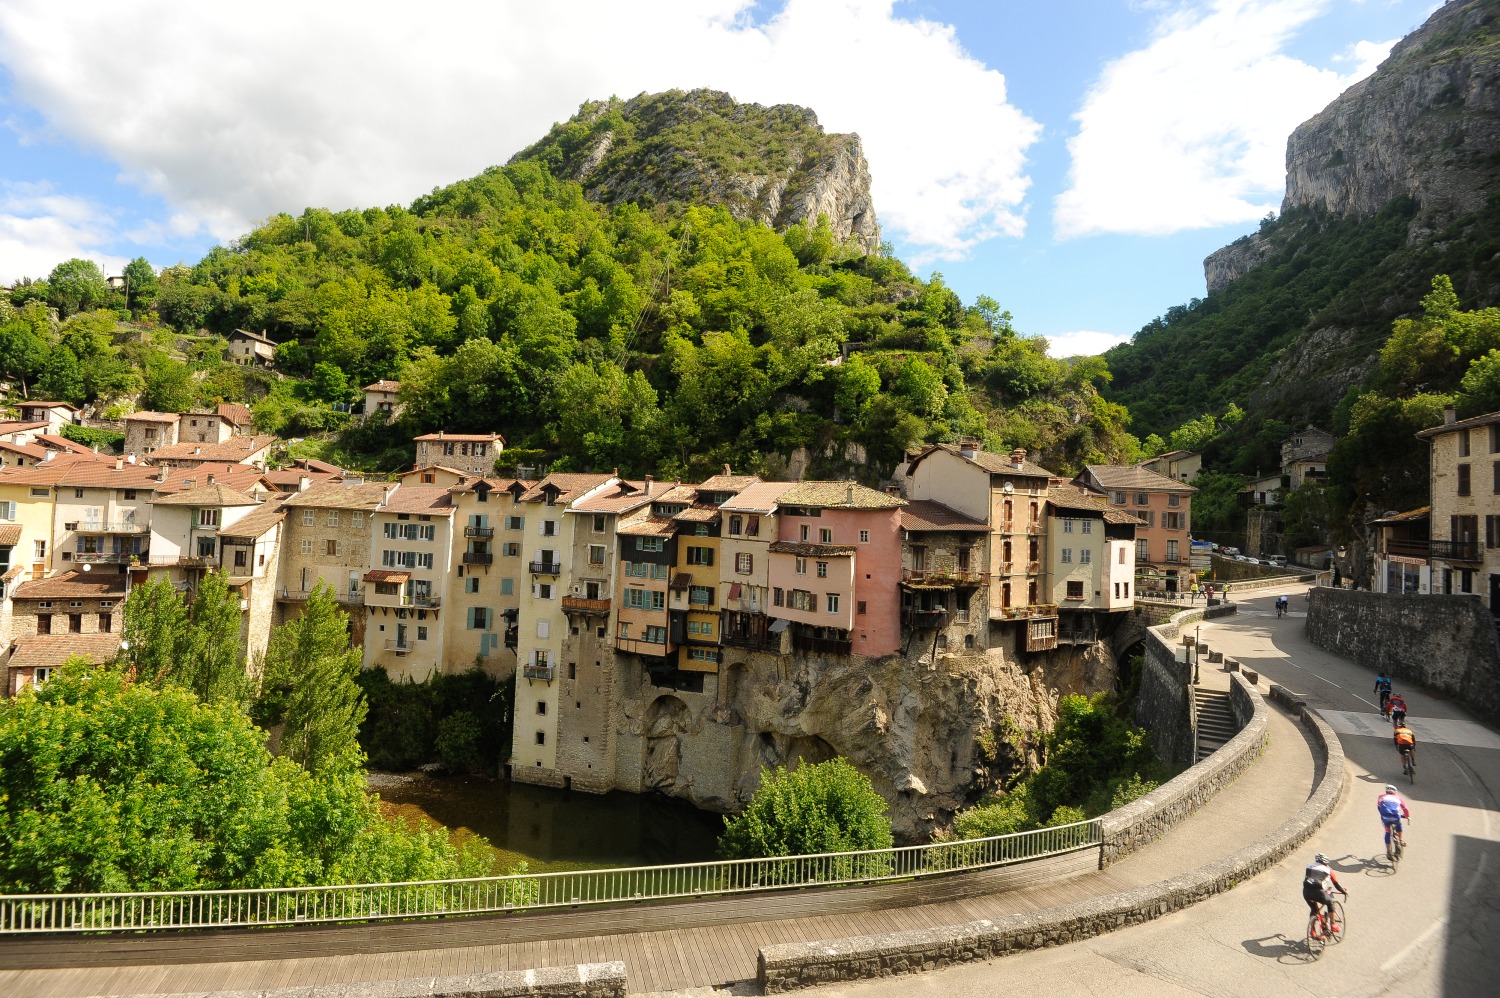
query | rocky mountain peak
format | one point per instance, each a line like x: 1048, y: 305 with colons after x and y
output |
x: 774, y: 165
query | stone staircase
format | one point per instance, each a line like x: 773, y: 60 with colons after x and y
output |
x: 1216, y: 724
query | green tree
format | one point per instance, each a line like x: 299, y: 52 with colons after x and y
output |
x: 215, y: 651
x: 140, y: 285
x: 309, y: 680
x: 24, y: 351
x: 76, y: 286
x: 827, y: 807
x: 153, y: 631
x: 1481, y: 385
x: 169, y: 385
x: 858, y: 384
x: 62, y: 378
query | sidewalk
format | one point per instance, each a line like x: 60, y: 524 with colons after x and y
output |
x: 693, y: 954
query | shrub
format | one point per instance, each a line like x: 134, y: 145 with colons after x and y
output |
x: 827, y: 807
x: 405, y: 719
x: 458, y: 742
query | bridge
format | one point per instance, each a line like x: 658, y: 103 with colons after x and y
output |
x: 1424, y: 928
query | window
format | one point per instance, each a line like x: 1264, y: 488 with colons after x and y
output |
x: 1463, y: 479
x: 1496, y: 488
x: 700, y: 556
x: 701, y: 530
x: 1148, y: 517
x: 1174, y: 499
x: 1067, y: 556
x: 1085, y: 556
x: 541, y: 737
x: 649, y: 544
x: 701, y: 595
x: 860, y: 607
x: 596, y: 554
x: 864, y: 537
x: 333, y: 518
x: 1067, y: 526
x: 1118, y: 498
x: 357, y: 521
x: 479, y: 618
x: 208, y: 518
x: 515, y: 523
x: 1123, y: 552
x: 801, y: 566
x: 1495, y: 438
x: 44, y: 493
x: 44, y: 623
x: 1075, y: 589
x: 744, y: 563
x: 822, y: 569
x: 802, y: 532
x: 471, y: 584
x: 573, y: 674
x: 331, y: 548
x: 549, y: 528
x: 658, y: 571
x: 78, y: 493
x: 307, y: 517
x: 832, y: 601
x: 541, y: 707
x: 511, y: 548
x: 1492, y: 531
x: 635, y: 599
x: 1141, y: 550
x: 421, y: 632
x: 703, y: 654
x: 543, y: 629
x: 543, y: 590
x: 778, y: 597
x: 825, y: 535
x: 239, y: 557
x: 656, y: 635
x: 1171, y: 550
x: 735, y: 523
x: 307, y: 545
x: 1172, y: 521
x: 1143, y: 498
x: 1463, y: 443
x: 1088, y: 526
x: 801, y: 599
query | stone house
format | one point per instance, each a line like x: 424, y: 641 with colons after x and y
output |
x: 1304, y: 456
x: 252, y: 349
x: 1091, y: 561
x: 76, y: 613
x: 55, y: 414
x: 326, y: 539
x: 411, y: 551
x: 1163, y: 507
x: 1183, y: 465
x: 146, y: 431
x: 186, y: 528
x: 250, y: 551
x: 1464, y: 550
x: 1264, y: 491
x: 470, y: 453
x: 944, y: 575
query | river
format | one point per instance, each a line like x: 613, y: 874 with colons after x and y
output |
x: 553, y: 830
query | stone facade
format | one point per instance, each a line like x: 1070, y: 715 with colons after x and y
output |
x: 1164, y: 705
x: 1446, y: 643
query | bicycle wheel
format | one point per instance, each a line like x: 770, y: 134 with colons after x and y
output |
x: 1336, y: 929
x: 1397, y: 848
x: 1315, y: 941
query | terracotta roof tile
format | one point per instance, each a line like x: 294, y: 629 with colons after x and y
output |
x: 995, y: 464
x: 340, y: 495
x: 233, y: 449
x: 386, y: 575
x: 761, y: 497
x: 235, y: 414
x: 842, y: 495
x: 34, y: 403
x: 1075, y: 498
x: 427, y: 499
x: 728, y: 483
x: 10, y: 534
x: 462, y: 437
x: 18, y: 425
x: 926, y: 514
x: 33, y: 451
x: 257, y: 522
x: 698, y: 514
x: 72, y: 585
x: 648, y: 528
x: 382, y: 386
x: 622, y: 497
x: 217, y: 494
x: 567, y: 484
x: 147, y: 416
x: 48, y: 651
x: 806, y: 550
x: 466, y: 476
x: 1129, y: 478
x: 1410, y: 516
x: 58, y: 442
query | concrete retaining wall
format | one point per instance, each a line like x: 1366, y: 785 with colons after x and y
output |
x: 585, y: 980
x: 796, y: 965
x: 1445, y: 643
x: 1149, y: 818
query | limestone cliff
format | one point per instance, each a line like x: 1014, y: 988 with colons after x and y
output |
x: 931, y: 735
x: 768, y: 164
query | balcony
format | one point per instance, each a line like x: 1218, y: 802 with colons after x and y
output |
x: 1402, y: 548
x: 103, y: 557
x: 580, y: 604
x: 1033, y: 567
x: 107, y: 527
x: 192, y: 561
x: 923, y: 619
x: 478, y: 558
x: 354, y: 598
x: 402, y: 600
x: 945, y: 578
x: 640, y: 647
x: 484, y: 532
x: 1456, y: 550
x: 545, y: 568
x: 826, y: 646
x: 398, y: 645
x: 546, y: 673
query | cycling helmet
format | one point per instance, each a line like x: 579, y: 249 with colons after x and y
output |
x: 1390, y: 788
x: 1320, y: 858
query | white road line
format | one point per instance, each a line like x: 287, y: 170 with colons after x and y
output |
x: 1328, y: 681
x: 1421, y: 940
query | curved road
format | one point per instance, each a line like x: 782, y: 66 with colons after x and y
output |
x: 1430, y: 928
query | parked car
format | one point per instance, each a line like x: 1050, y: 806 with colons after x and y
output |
x: 1278, y: 560
x: 1231, y: 552
x: 1253, y: 561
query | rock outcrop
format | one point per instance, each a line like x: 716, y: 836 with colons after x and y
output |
x: 774, y: 165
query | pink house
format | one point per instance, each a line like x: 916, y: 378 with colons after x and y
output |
x: 834, y: 569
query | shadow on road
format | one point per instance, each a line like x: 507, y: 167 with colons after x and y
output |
x: 1278, y: 948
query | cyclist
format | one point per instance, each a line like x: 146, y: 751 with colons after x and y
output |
x: 1282, y: 605
x: 1392, y: 812
x: 1318, y: 884
x: 1406, y: 743
x: 1397, y: 705
x: 1383, y: 687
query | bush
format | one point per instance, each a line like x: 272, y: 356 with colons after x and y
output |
x: 458, y: 741
x: 107, y: 441
x: 404, y: 725
x: 828, y: 807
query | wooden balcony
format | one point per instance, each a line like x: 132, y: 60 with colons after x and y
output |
x: 940, y: 578
x: 482, y: 532
x: 107, y: 527
x: 583, y: 605
x: 478, y: 558
x: 1402, y: 548
x: 638, y: 646
x: 826, y: 646
x: 923, y: 619
x: 546, y: 568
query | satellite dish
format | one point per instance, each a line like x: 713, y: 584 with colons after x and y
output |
x: 88, y: 568
x: 1009, y: 488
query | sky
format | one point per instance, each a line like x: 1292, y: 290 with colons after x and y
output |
x: 1075, y: 160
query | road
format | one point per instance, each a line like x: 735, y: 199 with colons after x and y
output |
x: 1431, y: 927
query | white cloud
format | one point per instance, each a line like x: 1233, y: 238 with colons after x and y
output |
x: 232, y: 117
x: 1190, y: 131
x: 1083, y: 343
x: 40, y: 228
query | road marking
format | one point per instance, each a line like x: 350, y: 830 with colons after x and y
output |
x: 1431, y: 730
x: 1421, y: 940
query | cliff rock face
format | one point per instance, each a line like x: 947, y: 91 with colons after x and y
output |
x: 1426, y: 124
x: 774, y: 165
x: 931, y: 735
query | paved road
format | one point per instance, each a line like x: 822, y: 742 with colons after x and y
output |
x: 1430, y: 928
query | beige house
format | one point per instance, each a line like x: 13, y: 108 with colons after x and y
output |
x: 254, y: 349
x: 749, y: 528
x: 22, y: 431
x: 1163, y: 507
x: 381, y: 397
x: 75, y: 613
x: 327, y: 540
x: 255, y: 451
x: 405, y: 589
x: 470, y: 453
x: 487, y: 585
x: 1183, y: 465
x: 1091, y: 560
x: 55, y: 414
x: 146, y: 431
x: 250, y: 552
x: 1464, y: 519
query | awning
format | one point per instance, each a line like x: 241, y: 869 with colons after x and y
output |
x: 386, y: 575
x: 734, y: 590
x: 778, y: 625
x: 681, y: 581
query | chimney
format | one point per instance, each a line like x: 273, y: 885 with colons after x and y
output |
x: 49, y: 455
x: 303, y: 482
x: 969, y: 448
x: 1018, y: 458
x: 726, y: 469
x: 1450, y: 415
x: 161, y: 475
x: 648, y: 485
x: 119, y: 464
x: 849, y: 496
x: 197, y: 450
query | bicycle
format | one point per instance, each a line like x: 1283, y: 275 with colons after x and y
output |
x: 1323, y: 930
x: 1409, y: 766
x: 1397, y: 848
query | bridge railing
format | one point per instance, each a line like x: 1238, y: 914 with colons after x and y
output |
x: 55, y: 913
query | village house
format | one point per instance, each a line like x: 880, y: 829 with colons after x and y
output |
x: 944, y: 575
x: 250, y: 550
x: 147, y: 431
x: 745, y: 580
x: 254, y: 450
x: 252, y: 349
x: 411, y: 551
x: 326, y: 541
x: 1182, y: 465
x: 1161, y: 504
x: 1304, y: 456
x: 1464, y: 520
x: 77, y: 613
x: 487, y: 585
x: 1091, y: 561
x: 381, y: 398
x: 16, y: 431
x: 470, y: 453
x: 1402, y: 556
x: 55, y: 414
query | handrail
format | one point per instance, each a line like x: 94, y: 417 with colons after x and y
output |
x: 30, y: 914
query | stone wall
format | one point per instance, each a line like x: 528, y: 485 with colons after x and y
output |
x: 1147, y: 819
x: 1164, y: 705
x: 1446, y: 643
x: 789, y: 966
x: 584, y: 980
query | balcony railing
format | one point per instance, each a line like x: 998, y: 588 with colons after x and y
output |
x: 546, y: 673
x: 1408, y: 548
x: 103, y: 557
x: 1455, y: 550
x: 193, y: 561
x: 580, y: 604
x: 478, y: 558
x: 479, y: 532
x: 923, y: 618
x: 355, y: 597
x: 107, y: 527
x: 1033, y: 567
x: 546, y: 568
x: 396, y: 644
x: 639, y: 646
x: 941, y: 576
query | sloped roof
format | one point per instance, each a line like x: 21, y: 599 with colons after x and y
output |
x: 423, y: 499
x: 567, y: 484
x: 48, y: 651
x: 471, y: 484
x: 256, y: 523
x: 247, y: 334
x: 1129, y: 478
x: 217, y: 494
x: 148, y: 416
x: 1410, y: 516
x: 698, y: 514
x: 341, y: 495
x: 443, y: 435
x: 313, y: 464
x: 75, y: 584
x: 1462, y: 424
x: 728, y: 482
x: 10, y: 534
x: 35, y: 404
x: 382, y: 386
x: 995, y: 464
x: 1079, y: 499
x: 807, y: 550
x: 235, y: 414
x: 841, y: 495
x: 62, y: 443
x: 19, y: 425
x: 33, y: 451
x: 649, y: 527
x: 761, y: 497
x: 291, y: 478
x: 233, y: 449
x: 622, y: 497
x: 927, y: 514
x: 464, y: 475
x: 386, y: 575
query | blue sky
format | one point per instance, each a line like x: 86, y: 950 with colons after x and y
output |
x: 1073, y: 160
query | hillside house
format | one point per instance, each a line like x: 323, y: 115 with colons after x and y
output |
x: 252, y: 349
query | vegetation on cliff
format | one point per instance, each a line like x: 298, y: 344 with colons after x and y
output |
x: 814, y: 808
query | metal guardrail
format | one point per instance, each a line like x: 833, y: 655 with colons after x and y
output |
x: 31, y: 914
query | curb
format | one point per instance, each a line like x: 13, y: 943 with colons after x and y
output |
x: 584, y: 980
x: 790, y: 966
